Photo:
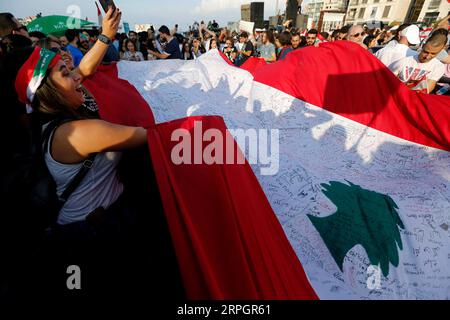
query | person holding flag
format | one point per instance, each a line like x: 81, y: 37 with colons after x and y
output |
x: 54, y: 92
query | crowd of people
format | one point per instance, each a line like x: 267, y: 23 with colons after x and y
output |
x: 389, y: 44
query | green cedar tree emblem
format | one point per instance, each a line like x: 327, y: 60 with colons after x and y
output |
x: 363, y: 217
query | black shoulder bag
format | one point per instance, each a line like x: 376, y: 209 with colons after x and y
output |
x: 73, y: 185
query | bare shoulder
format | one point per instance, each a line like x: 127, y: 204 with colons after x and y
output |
x: 79, y: 128
x: 84, y: 123
x: 94, y: 135
x: 71, y: 140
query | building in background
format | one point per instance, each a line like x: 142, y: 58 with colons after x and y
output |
x: 331, y: 20
x: 433, y: 10
x: 326, y: 15
x: 414, y: 10
x: 396, y: 11
x: 372, y: 11
x: 245, y: 12
x: 313, y: 11
x: 335, y: 5
x: 332, y: 15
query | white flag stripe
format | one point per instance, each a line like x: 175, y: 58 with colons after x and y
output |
x: 317, y: 147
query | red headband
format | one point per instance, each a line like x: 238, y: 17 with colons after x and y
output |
x: 32, y: 73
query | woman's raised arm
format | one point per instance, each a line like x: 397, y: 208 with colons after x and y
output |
x: 94, y: 57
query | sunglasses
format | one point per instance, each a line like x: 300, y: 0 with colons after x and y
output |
x: 356, y: 35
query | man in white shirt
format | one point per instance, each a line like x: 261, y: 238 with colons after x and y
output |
x: 422, y: 71
x: 443, y: 56
x: 408, y: 37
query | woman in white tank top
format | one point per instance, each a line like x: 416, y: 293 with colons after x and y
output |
x: 46, y: 83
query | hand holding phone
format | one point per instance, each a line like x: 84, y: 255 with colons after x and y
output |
x: 110, y: 23
x: 106, y: 3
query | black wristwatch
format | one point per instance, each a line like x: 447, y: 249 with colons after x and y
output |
x: 104, y: 39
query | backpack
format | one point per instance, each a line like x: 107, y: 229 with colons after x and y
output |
x: 31, y: 186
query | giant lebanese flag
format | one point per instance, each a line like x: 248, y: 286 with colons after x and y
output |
x: 362, y: 193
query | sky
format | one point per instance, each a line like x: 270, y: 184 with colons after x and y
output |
x: 156, y: 12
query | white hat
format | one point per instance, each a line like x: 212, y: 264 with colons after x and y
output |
x: 412, y: 34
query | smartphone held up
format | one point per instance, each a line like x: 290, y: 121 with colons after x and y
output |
x: 106, y: 3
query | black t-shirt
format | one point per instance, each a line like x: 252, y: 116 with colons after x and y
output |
x: 248, y: 46
x: 173, y: 49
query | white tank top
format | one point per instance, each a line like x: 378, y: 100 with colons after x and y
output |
x: 99, y: 188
